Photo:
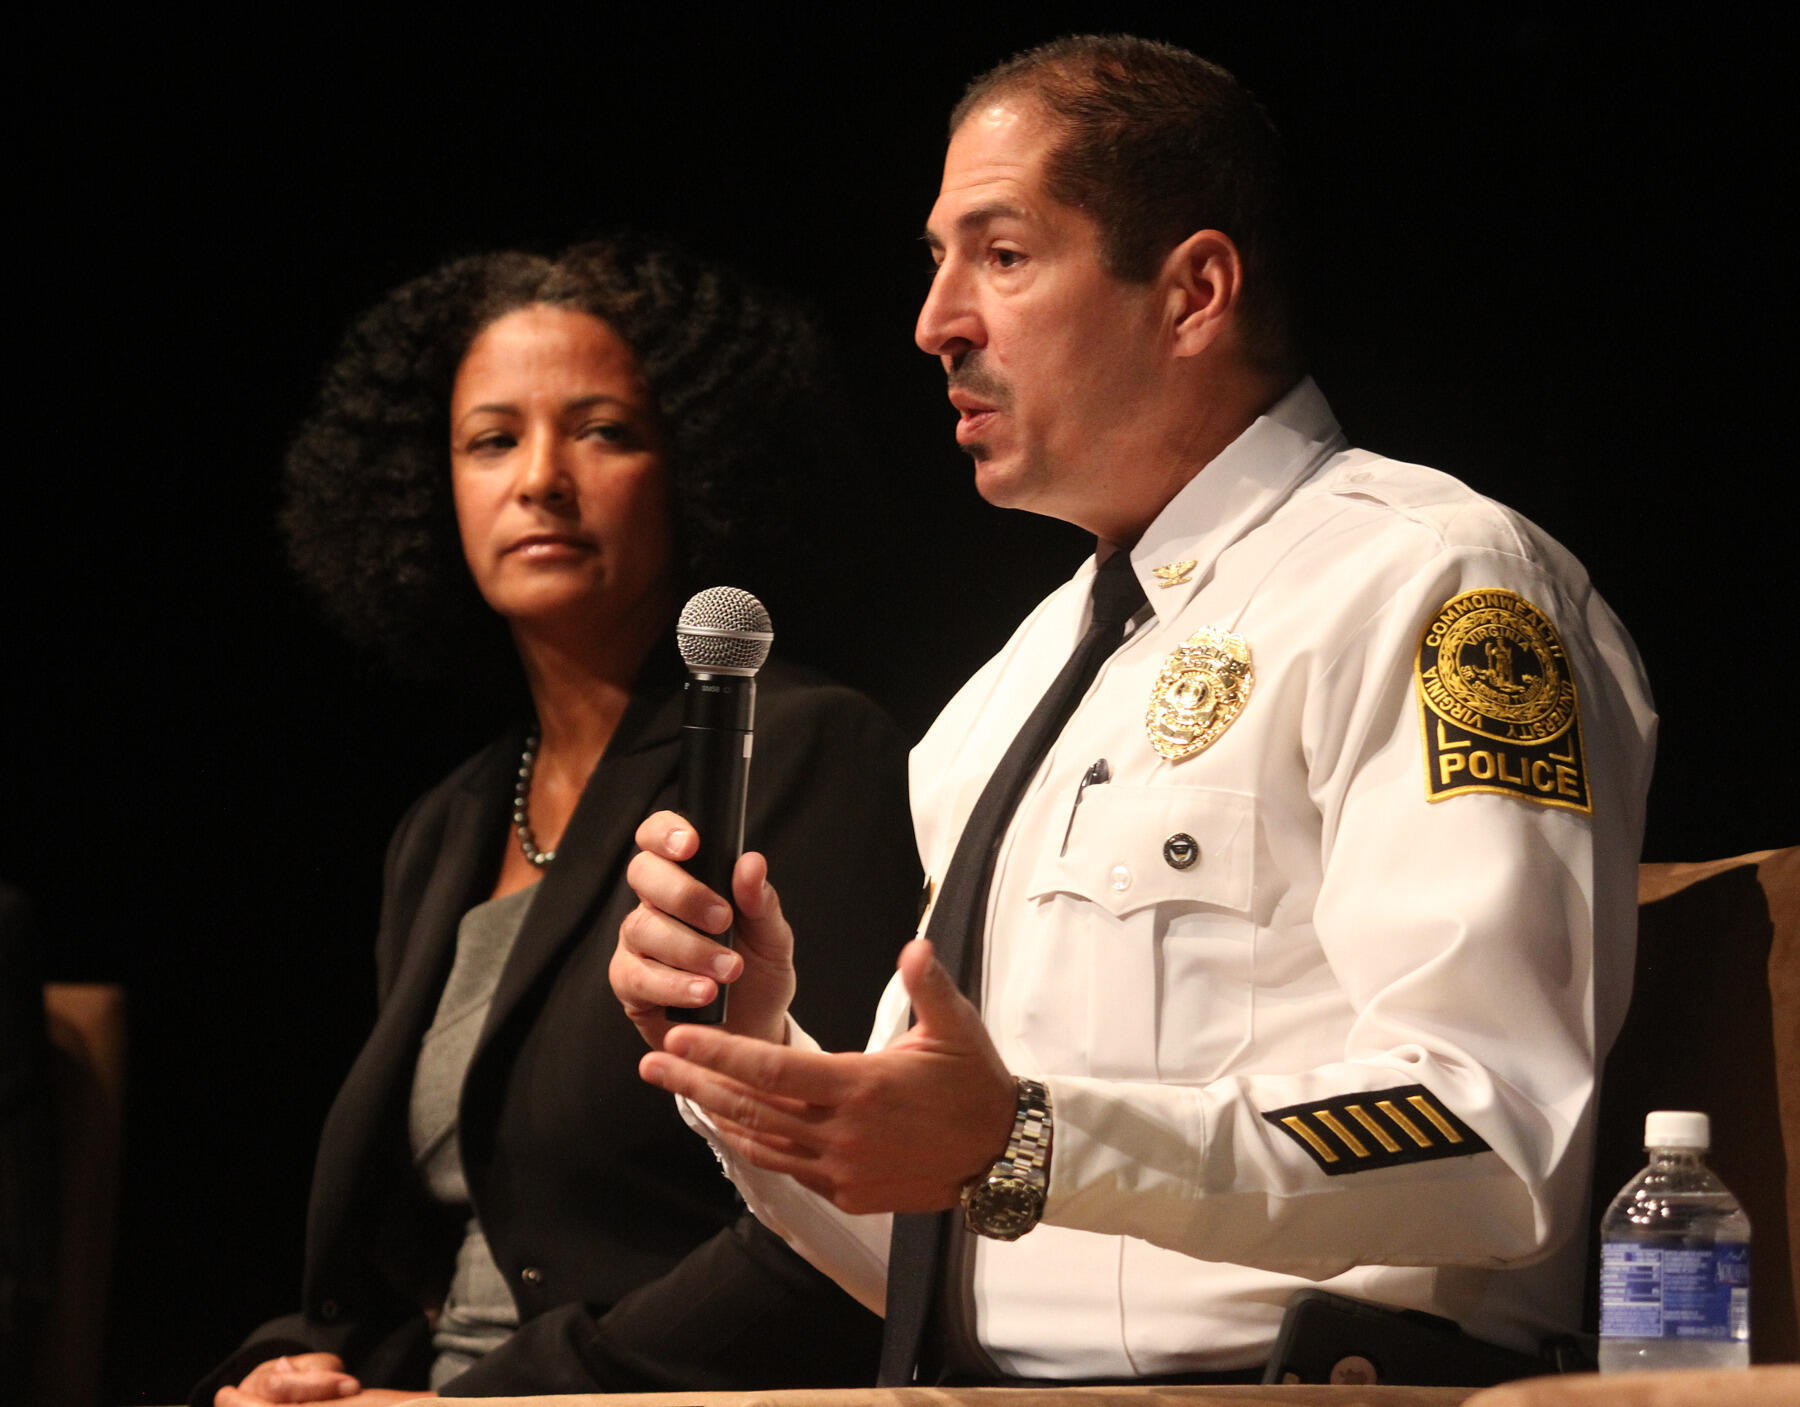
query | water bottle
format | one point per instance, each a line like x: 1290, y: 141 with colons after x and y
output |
x: 1674, y: 1260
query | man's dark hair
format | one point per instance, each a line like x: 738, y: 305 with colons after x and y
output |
x: 734, y: 376
x: 1156, y: 143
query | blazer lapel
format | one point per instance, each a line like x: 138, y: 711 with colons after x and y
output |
x: 367, y: 1124
x: 596, y: 845
x: 461, y: 879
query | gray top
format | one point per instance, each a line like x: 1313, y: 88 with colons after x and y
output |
x: 479, y: 1311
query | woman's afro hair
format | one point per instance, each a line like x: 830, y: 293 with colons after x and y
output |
x: 736, y: 378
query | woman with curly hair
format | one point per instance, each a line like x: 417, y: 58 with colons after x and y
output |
x: 537, y: 453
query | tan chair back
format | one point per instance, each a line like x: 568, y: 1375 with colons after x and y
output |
x: 1714, y: 1025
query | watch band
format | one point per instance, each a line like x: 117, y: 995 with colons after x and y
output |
x: 1027, y: 1152
x: 1008, y: 1199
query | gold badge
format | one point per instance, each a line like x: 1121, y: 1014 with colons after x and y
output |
x: 1175, y: 573
x: 1497, y: 703
x: 1202, y: 688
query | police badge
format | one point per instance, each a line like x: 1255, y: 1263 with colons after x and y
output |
x: 1203, y: 686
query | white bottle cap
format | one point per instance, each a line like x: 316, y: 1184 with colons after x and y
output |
x: 1677, y: 1128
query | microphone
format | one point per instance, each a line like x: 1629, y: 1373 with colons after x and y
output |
x: 724, y: 637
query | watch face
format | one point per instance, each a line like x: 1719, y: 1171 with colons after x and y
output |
x: 1005, y: 1207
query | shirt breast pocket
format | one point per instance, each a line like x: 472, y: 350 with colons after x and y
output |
x: 1151, y: 932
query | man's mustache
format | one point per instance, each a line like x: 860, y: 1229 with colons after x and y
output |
x: 971, y: 376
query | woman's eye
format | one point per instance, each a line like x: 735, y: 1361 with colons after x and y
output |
x: 491, y: 442
x: 1009, y: 258
x: 609, y: 431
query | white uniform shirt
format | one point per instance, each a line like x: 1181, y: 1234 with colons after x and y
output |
x: 1338, y: 935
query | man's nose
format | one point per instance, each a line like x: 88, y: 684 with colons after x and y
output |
x: 948, y: 323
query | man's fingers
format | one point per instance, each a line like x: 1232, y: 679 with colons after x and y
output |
x: 723, y: 1095
x: 897, y: 1130
x: 803, y: 1165
x: 938, y: 1008
x: 751, y: 890
x: 665, y: 957
x: 667, y: 834
x: 783, y: 1101
x: 661, y: 883
x: 761, y: 926
x: 773, y: 1150
x: 776, y: 1127
x: 651, y: 987
x: 831, y: 1177
x: 775, y: 1071
x: 668, y: 958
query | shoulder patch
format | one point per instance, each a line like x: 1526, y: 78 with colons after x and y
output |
x: 1384, y: 1128
x: 1497, y: 703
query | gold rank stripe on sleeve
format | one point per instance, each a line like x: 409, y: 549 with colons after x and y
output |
x: 1497, y: 704
x: 1379, y: 1129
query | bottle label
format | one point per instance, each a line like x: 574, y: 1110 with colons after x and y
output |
x: 1674, y: 1292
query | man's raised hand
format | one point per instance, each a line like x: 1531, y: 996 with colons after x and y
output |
x: 666, y: 958
x: 897, y: 1130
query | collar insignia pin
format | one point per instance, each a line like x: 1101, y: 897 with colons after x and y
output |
x: 1203, y: 687
x: 1175, y: 573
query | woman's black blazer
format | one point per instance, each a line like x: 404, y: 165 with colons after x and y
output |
x: 630, y: 1257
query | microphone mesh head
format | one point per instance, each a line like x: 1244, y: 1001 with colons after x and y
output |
x: 724, y: 630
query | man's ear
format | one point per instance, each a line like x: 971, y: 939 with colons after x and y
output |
x: 1204, y: 275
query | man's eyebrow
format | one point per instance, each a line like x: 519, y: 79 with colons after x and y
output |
x: 975, y: 217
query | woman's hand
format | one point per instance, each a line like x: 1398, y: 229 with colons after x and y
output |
x: 666, y: 958
x: 308, y: 1377
x: 301, y: 1377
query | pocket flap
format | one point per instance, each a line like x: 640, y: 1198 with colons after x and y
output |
x: 1129, y: 844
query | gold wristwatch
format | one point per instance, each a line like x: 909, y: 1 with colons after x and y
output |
x: 1008, y: 1199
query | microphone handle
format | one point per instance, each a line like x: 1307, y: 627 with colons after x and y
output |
x: 718, y: 713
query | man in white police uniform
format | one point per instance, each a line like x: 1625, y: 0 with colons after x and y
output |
x: 1308, y: 933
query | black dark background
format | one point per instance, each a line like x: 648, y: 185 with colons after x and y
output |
x: 1547, y: 253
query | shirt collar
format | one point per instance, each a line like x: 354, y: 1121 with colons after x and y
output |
x: 1238, y: 489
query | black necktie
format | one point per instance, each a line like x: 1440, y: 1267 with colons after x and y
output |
x: 915, y: 1254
